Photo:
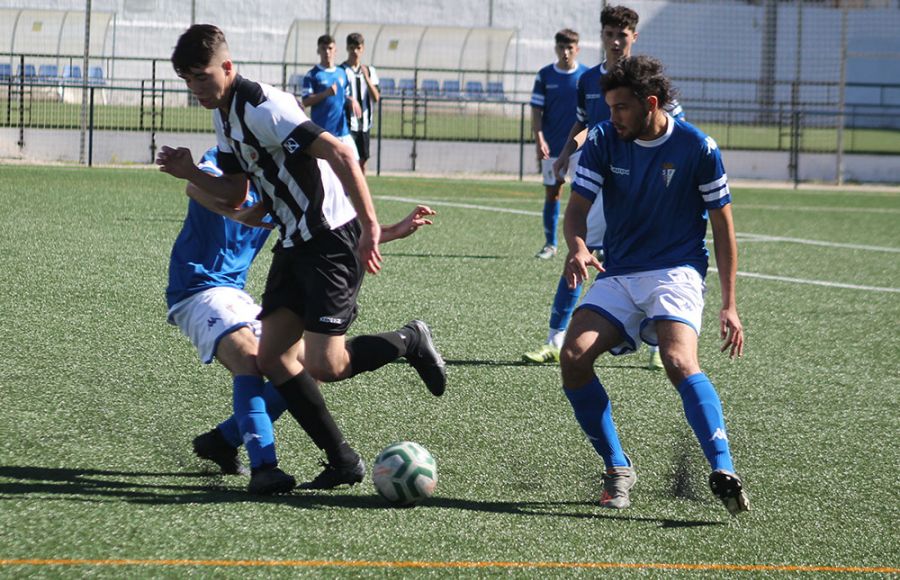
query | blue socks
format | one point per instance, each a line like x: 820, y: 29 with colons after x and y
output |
x: 275, y: 407
x: 551, y: 217
x: 564, y: 303
x: 253, y: 421
x: 703, y: 410
x: 594, y: 413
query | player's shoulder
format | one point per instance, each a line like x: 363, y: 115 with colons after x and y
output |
x: 691, y: 134
x: 602, y: 133
x: 546, y: 70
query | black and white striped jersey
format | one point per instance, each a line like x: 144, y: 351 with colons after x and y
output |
x: 265, y: 135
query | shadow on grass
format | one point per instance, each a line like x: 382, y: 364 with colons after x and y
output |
x: 445, y: 256
x: 93, y: 485
x: 522, y: 363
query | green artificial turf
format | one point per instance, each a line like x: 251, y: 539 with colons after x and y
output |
x: 100, y: 398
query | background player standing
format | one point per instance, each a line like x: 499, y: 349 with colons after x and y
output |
x: 553, y: 102
x: 363, y: 82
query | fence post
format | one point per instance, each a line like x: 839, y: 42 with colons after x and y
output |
x: 378, y: 163
x: 521, y: 141
x: 91, y: 130
x: 21, y: 102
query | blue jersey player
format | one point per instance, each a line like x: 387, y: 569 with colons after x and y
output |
x: 552, y: 114
x: 619, y: 32
x: 206, y: 299
x: 661, y: 181
x: 327, y: 93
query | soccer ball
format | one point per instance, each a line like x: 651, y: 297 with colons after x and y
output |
x: 405, y: 473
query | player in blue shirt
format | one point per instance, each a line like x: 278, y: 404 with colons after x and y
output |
x: 327, y: 93
x: 661, y: 181
x: 206, y: 299
x: 552, y: 114
x: 619, y: 33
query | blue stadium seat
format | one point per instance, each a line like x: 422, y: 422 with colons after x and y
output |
x: 48, y: 73
x: 5, y: 71
x: 451, y: 89
x: 28, y: 72
x: 407, y: 87
x: 495, y: 91
x: 431, y: 88
x: 95, y: 76
x: 71, y: 73
x: 387, y: 86
x: 474, y: 90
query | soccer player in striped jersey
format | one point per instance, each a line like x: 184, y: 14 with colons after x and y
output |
x: 318, y: 199
x: 661, y: 181
x: 552, y: 114
x: 364, y: 82
x: 619, y: 33
x: 206, y: 299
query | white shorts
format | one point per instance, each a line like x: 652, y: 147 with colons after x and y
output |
x: 348, y: 140
x: 208, y: 316
x: 634, y: 302
x: 547, y: 168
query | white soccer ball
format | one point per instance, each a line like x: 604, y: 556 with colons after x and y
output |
x: 404, y: 473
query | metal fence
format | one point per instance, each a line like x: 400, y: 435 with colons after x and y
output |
x: 453, y: 106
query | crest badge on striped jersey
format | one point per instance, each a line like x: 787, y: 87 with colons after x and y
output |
x: 668, y: 172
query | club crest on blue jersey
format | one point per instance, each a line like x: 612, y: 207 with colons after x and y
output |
x: 668, y: 172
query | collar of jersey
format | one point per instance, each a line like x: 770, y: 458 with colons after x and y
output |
x: 670, y: 126
x: 564, y: 71
x: 332, y: 69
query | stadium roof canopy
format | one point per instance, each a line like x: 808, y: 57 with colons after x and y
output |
x: 53, y: 32
x: 409, y: 47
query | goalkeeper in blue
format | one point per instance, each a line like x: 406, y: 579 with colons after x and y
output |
x: 661, y: 181
x: 206, y: 299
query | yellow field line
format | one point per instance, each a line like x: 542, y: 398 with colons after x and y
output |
x: 412, y: 564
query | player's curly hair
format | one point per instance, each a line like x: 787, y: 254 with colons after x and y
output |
x: 197, y: 47
x: 619, y: 17
x: 643, y: 75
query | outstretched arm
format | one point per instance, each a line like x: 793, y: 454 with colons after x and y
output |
x: 731, y: 330
x: 408, y: 225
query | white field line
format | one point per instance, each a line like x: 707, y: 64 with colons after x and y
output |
x: 811, y: 208
x: 764, y: 238
x: 813, y: 282
x: 748, y: 237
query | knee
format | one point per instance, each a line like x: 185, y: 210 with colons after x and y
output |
x: 679, y: 366
x: 575, y: 366
x: 324, y: 371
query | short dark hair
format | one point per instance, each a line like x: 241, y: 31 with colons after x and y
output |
x: 619, y: 17
x: 196, y: 47
x: 566, y: 36
x: 325, y: 40
x: 355, y: 39
x: 643, y: 75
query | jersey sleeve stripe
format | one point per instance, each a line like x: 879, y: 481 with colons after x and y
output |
x: 589, y: 174
x: 717, y: 195
x: 581, y: 115
x: 714, y: 184
x: 537, y: 100
x: 587, y: 186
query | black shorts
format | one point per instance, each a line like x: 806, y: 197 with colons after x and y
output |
x: 361, y: 138
x: 318, y: 280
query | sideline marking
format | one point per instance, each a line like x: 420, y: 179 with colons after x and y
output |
x: 812, y: 282
x: 437, y: 565
x: 748, y: 237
